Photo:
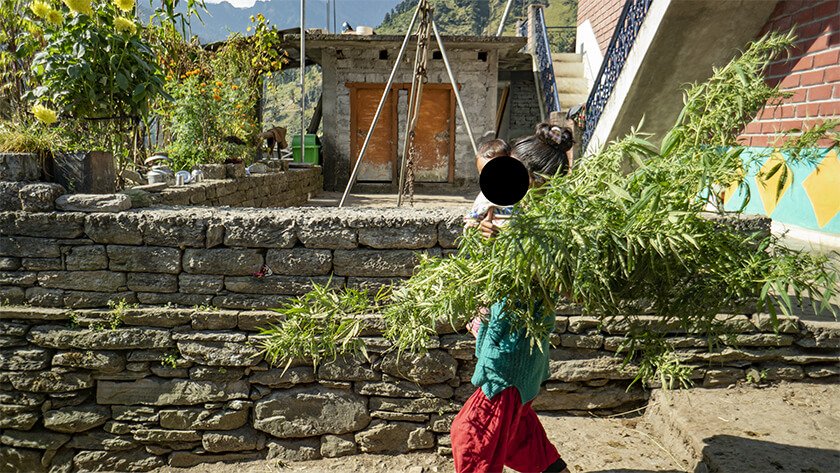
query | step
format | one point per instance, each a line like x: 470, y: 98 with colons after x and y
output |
x: 571, y: 85
x: 570, y: 100
x: 746, y: 429
x: 568, y: 69
x: 567, y: 57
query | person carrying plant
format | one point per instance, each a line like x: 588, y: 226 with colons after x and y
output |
x: 497, y: 426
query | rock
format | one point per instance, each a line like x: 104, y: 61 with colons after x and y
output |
x: 118, y: 229
x: 28, y: 247
x: 129, y: 460
x: 400, y: 237
x: 76, y: 419
x: 260, y: 229
x: 175, y: 228
x: 86, y: 258
x: 779, y: 372
x: 39, y: 439
x: 333, y: 446
x: 722, y: 377
x: 104, y: 281
x: 757, y: 340
x: 17, y: 418
x: 826, y: 334
x: 15, y: 459
x: 140, y: 197
x: 122, y: 338
x: 326, y: 232
x: 822, y: 371
x: 19, y: 167
x: 399, y: 416
x: 93, y: 202
x: 299, y: 261
x: 244, y: 438
x: 606, y: 397
x: 50, y: 381
x: 166, y: 436
x: 375, y: 263
x: 394, y: 437
x: 203, y: 419
x: 294, y: 450
x: 187, y: 459
x: 591, y: 342
x: 282, y: 285
x: 399, y: 388
x: 277, y: 378
x: 432, y: 367
x: 413, y: 406
x: 733, y: 323
x: 256, y: 320
x: 306, y: 412
x: 220, y: 353
x: 602, y: 367
x: 216, y: 373
x: 215, y: 320
x: 156, y: 316
x: 98, y: 440
x: 200, y: 283
x: 134, y: 413
x: 449, y: 230
x: 226, y: 261
x: 783, y: 323
x: 40, y: 197
x: 348, y: 368
x: 160, y: 392
x: 441, y: 423
x: 144, y: 259
x: 102, y: 361
x: 24, y: 359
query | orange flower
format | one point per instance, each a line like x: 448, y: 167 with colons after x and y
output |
x: 234, y: 87
x: 203, y: 84
x: 217, y: 97
x: 219, y: 83
x: 183, y: 76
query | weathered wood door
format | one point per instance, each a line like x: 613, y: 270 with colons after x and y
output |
x: 379, y: 163
x: 434, y: 140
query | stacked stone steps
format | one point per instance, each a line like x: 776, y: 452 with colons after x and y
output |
x: 568, y: 74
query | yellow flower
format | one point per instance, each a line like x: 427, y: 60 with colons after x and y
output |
x: 234, y: 87
x: 40, y: 9
x: 219, y: 83
x: 54, y: 17
x: 124, y: 5
x: 122, y: 24
x: 44, y: 114
x: 79, y: 6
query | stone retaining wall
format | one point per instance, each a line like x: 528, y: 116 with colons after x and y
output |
x: 202, y: 256
x: 271, y: 189
x: 135, y: 389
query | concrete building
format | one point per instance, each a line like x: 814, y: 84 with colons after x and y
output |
x: 638, y: 54
x: 355, y: 71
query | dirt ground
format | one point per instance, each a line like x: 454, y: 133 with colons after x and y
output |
x: 586, y: 443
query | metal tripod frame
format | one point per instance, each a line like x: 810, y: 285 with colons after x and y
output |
x: 414, y: 105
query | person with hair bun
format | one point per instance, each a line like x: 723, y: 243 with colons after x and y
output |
x: 497, y: 426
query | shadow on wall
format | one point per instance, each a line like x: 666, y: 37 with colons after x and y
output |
x: 746, y: 455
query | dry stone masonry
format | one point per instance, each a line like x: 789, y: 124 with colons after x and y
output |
x: 173, y: 386
x: 178, y: 379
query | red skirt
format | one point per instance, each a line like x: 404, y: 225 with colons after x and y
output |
x: 489, y: 434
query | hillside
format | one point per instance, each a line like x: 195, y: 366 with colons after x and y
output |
x: 221, y: 19
x: 476, y: 17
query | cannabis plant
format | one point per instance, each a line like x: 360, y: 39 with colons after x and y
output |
x: 634, y: 229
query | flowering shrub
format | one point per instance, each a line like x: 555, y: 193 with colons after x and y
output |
x: 95, y: 64
x: 205, y: 117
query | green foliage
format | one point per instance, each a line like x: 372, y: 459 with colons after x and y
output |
x: 215, y: 94
x: 97, y: 66
x: 118, y: 311
x: 626, y: 233
x: 282, y: 98
x: 20, y: 37
x: 19, y: 137
x: 320, y: 325
x: 169, y: 359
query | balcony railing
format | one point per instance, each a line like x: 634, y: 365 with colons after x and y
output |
x: 624, y: 36
x: 540, y: 49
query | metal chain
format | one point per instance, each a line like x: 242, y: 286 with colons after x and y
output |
x: 409, y: 170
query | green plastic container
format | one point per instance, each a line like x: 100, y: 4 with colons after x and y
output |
x: 311, y: 153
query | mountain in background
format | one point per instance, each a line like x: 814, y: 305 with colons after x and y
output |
x: 221, y: 19
x: 477, y: 17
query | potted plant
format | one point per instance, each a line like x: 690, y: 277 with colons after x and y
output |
x: 99, y: 75
x: 24, y: 150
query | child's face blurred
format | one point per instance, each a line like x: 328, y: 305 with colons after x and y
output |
x: 480, y: 162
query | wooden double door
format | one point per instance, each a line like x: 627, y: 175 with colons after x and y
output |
x: 434, y: 141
